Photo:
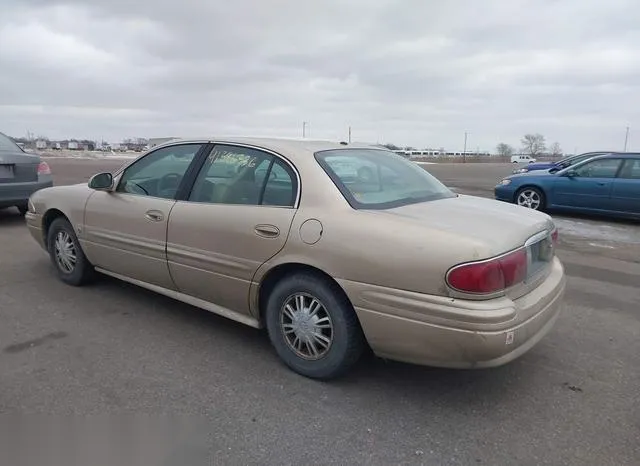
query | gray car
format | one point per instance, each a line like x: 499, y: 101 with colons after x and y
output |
x: 21, y: 175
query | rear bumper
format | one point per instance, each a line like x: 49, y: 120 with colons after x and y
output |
x: 447, y: 332
x: 12, y: 194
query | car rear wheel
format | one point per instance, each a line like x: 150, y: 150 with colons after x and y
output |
x: 531, y: 198
x: 66, y: 254
x: 313, y: 327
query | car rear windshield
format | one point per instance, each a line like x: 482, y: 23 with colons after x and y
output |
x: 380, y: 179
x: 7, y: 144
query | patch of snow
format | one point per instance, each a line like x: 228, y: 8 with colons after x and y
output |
x: 426, y: 163
x: 600, y: 245
x: 598, y: 230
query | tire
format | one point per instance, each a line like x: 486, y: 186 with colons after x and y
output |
x: 533, y: 194
x: 342, y: 329
x: 72, y: 273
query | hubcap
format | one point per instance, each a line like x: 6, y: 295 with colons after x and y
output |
x: 65, y: 252
x: 306, y: 326
x: 529, y: 198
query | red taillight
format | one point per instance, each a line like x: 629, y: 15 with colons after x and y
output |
x: 490, y: 276
x: 44, y: 169
x: 554, y: 237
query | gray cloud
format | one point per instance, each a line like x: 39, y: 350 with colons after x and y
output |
x: 404, y: 71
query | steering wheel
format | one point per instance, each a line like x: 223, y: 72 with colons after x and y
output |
x: 169, y: 182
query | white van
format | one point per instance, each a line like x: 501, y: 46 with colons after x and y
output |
x: 522, y: 159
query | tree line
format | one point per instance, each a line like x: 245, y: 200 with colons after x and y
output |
x: 532, y: 144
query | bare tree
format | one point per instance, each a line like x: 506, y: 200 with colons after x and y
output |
x: 504, y: 150
x: 555, y: 149
x: 533, y: 144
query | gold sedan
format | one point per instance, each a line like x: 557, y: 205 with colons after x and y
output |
x: 332, y: 247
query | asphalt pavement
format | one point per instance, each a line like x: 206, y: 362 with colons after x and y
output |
x: 115, y: 348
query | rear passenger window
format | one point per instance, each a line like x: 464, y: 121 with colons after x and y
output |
x: 243, y: 175
x: 631, y: 170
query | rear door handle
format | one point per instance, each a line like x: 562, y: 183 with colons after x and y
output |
x: 267, y: 231
x: 154, y: 215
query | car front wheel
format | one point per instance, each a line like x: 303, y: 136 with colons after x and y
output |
x: 531, y: 198
x: 313, y: 327
x: 66, y: 254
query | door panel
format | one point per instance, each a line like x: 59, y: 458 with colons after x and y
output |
x: 591, y: 193
x: 625, y: 195
x: 589, y: 187
x: 126, y: 228
x: 120, y: 236
x: 236, y: 217
x: 215, y: 249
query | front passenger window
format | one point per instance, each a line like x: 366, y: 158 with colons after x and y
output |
x: 602, y: 168
x: 159, y: 173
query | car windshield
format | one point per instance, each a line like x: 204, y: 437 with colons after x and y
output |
x: 576, y: 159
x: 380, y: 179
x: 6, y: 144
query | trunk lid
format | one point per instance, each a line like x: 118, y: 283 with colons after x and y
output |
x: 18, y: 167
x: 499, y: 226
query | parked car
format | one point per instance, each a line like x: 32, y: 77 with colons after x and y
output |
x: 329, y: 246
x: 606, y: 184
x: 522, y: 159
x: 560, y: 164
x: 21, y: 174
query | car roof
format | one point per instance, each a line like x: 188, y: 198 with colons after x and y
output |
x: 288, y: 146
x: 624, y: 155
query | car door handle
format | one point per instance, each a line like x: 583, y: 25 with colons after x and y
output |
x: 602, y: 184
x: 154, y: 215
x: 267, y: 231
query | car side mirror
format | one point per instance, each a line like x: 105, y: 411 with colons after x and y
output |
x: 101, y: 182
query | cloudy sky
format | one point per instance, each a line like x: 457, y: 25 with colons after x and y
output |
x: 410, y: 72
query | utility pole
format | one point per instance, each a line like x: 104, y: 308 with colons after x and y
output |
x: 464, y: 151
x: 626, y: 139
x: 304, y: 129
x: 349, y: 134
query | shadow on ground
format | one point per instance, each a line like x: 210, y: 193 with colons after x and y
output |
x: 371, y: 371
x: 10, y: 216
